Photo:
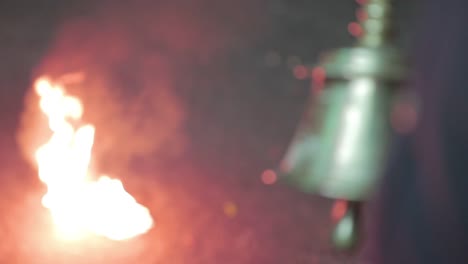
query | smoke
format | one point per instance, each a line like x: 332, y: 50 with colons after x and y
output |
x: 124, y: 62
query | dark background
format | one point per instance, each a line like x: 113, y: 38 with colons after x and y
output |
x: 240, y: 111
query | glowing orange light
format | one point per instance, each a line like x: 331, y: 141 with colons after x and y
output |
x: 269, y: 177
x: 79, y: 203
x: 230, y: 209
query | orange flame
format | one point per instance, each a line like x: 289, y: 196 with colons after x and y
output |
x: 80, y: 205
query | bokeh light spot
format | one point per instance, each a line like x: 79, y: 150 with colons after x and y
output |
x: 355, y: 29
x: 361, y: 15
x: 230, y: 209
x: 339, y: 210
x: 403, y: 118
x: 269, y: 177
x: 300, y: 72
x: 319, y: 74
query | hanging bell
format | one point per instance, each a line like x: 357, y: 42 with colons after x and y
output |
x: 340, y: 147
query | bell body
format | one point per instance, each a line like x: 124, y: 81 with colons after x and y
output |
x: 353, y: 138
x: 340, y: 147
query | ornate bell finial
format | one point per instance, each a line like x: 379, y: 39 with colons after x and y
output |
x: 340, y: 147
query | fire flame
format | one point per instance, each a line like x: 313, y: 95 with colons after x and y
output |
x: 79, y: 203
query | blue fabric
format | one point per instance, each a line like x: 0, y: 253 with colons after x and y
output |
x: 422, y: 210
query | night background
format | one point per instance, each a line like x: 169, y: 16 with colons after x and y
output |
x: 193, y: 101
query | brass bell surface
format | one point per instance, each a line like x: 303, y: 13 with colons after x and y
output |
x: 340, y: 147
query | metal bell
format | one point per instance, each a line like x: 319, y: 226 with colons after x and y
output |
x: 340, y: 147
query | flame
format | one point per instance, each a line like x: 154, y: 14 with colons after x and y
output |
x: 79, y: 203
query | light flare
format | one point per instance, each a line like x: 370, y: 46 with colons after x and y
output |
x: 81, y: 204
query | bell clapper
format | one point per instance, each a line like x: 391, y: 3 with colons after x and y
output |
x: 346, y: 231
